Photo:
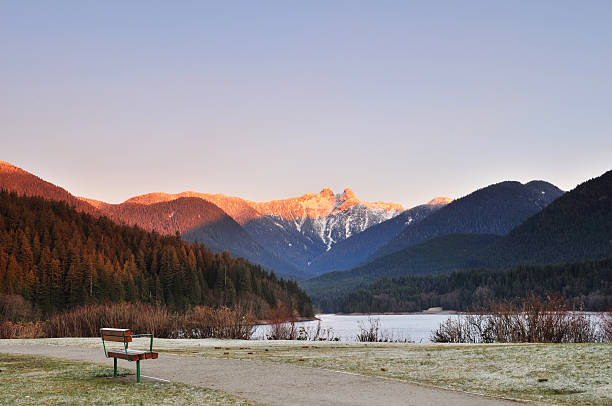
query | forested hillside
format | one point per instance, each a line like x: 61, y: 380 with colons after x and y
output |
x: 576, y: 226
x: 56, y: 257
x: 199, y: 220
x: 589, y: 283
x: 442, y: 254
x: 495, y: 209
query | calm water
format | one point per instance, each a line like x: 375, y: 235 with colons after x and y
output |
x: 410, y: 327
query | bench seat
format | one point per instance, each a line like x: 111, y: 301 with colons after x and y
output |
x: 132, y: 355
x: 125, y: 336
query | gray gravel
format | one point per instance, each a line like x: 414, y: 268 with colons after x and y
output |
x: 270, y: 383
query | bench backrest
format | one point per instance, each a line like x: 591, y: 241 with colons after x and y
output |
x: 120, y: 335
x: 124, y: 336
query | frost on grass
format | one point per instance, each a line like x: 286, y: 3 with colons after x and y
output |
x: 28, y: 380
x: 577, y: 374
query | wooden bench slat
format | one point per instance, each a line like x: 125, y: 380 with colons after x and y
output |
x: 132, y: 355
x: 116, y: 331
x: 117, y: 338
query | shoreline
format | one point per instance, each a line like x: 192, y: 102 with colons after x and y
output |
x: 423, y: 313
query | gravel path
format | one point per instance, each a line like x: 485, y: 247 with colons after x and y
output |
x: 270, y: 383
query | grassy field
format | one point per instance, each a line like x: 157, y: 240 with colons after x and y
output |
x: 27, y: 380
x: 577, y: 374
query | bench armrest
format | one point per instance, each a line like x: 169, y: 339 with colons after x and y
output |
x: 146, y: 335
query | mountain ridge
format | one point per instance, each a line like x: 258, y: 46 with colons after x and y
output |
x: 494, y: 209
x: 281, y: 234
x: 577, y: 226
x: 208, y: 223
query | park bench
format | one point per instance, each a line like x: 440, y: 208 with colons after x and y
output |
x: 125, y: 337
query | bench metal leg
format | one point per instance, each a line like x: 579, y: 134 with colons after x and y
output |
x: 115, y: 369
x: 137, y: 371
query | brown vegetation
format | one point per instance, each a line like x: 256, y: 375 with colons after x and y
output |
x: 282, y: 324
x: 86, y: 321
x: 534, y: 320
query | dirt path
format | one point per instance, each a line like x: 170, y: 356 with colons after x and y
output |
x: 270, y: 383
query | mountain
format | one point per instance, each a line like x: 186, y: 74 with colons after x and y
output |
x: 300, y: 229
x: 284, y: 235
x: 357, y: 248
x: 187, y: 214
x: 440, y: 254
x: 17, y: 180
x: 575, y: 227
x: 239, y: 209
x: 297, y: 229
x: 198, y: 220
x: 495, y: 209
x: 440, y: 201
x: 56, y: 258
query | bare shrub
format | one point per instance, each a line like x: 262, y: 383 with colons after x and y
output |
x: 200, y: 322
x: 205, y: 322
x: 470, y: 328
x: 316, y: 333
x: 370, y: 331
x: 606, y: 326
x: 534, y: 320
x: 14, y: 308
x: 282, y: 324
x: 86, y: 321
x: 29, y: 329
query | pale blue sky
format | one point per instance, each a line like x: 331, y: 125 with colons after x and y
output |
x: 400, y: 100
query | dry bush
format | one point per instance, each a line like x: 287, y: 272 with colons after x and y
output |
x: 534, y: 320
x: 14, y: 308
x: 370, y: 331
x: 205, y: 322
x: 470, y: 328
x: 282, y: 324
x: 606, y: 326
x: 86, y: 321
x: 201, y: 322
x: 28, y: 329
x: 316, y: 333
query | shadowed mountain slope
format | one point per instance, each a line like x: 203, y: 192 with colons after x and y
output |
x: 440, y: 254
x: 297, y: 229
x: 575, y: 227
x: 192, y: 217
x: 357, y: 248
x: 495, y: 209
x: 58, y: 258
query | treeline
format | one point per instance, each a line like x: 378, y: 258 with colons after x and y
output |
x: 58, y: 258
x: 589, y: 283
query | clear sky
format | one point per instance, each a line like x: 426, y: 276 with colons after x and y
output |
x: 400, y: 100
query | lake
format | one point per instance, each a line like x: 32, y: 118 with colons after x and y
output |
x: 400, y: 327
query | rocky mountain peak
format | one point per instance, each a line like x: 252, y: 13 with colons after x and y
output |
x: 326, y: 192
x: 440, y: 200
x: 349, y: 195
